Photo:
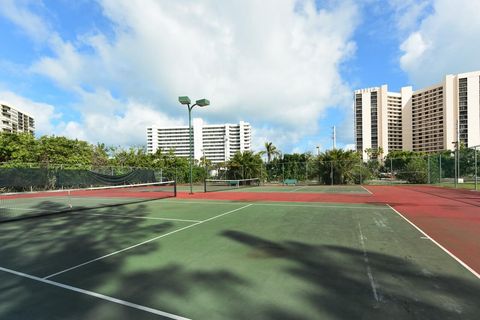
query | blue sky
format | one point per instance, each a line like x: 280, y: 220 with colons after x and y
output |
x: 104, y: 70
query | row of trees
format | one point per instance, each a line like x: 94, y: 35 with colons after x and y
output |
x: 333, y: 166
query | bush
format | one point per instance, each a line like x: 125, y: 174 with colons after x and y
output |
x: 415, y: 171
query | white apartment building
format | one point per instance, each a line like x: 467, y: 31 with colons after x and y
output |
x: 430, y: 119
x: 218, y: 143
x: 15, y: 121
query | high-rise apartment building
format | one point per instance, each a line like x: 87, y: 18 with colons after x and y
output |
x: 218, y: 143
x: 15, y: 121
x: 429, y: 119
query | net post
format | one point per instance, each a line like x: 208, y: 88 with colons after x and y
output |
x: 175, y: 188
x: 204, y: 185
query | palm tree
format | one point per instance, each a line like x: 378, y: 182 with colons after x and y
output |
x: 337, y: 165
x: 270, y: 150
x: 244, y: 165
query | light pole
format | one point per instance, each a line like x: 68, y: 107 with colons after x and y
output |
x: 201, y: 103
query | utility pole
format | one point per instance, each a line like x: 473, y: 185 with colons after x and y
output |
x: 334, y: 137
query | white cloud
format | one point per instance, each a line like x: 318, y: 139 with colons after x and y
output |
x: 446, y: 41
x: 124, y: 126
x: 408, y: 13
x: 272, y: 63
x: 44, y: 114
x: 19, y: 13
x: 414, y: 47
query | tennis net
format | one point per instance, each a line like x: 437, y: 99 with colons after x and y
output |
x: 219, y: 185
x: 24, y: 205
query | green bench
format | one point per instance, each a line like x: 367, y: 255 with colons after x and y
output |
x: 290, y: 182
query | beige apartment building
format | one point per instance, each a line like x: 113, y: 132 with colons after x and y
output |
x: 14, y: 120
x: 429, y: 119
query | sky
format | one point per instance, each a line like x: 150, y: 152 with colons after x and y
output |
x: 105, y: 70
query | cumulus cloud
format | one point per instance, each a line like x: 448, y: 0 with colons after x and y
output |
x: 446, y: 41
x: 126, y: 128
x: 279, y: 73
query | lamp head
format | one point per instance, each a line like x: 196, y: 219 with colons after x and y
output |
x: 184, y: 100
x: 203, y: 102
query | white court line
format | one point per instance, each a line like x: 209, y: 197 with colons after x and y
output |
x: 366, y: 189
x: 367, y: 263
x: 96, y: 295
x: 144, y: 242
x: 134, y: 217
x: 476, y: 274
x: 297, y: 188
x: 370, y: 206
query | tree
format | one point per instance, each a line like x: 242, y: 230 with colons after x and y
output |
x: 270, y: 150
x: 415, y: 171
x: 18, y: 148
x: 100, y: 155
x: 337, y: 166
x: 244, y: 165
x: 374, y: 153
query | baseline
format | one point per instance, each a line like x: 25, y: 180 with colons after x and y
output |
x: 466, y: 266
x: 96, y: 295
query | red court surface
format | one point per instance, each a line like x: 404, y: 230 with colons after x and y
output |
x: 450, y: 217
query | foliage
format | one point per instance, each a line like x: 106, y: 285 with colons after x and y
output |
x: 271, y: 151
x: 17, y: 150
x: 244, y: 165
x: 337, y: 166
x: 415, y: 171
x: 374, y: 154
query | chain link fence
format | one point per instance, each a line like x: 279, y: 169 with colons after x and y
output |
x: 453, y: 169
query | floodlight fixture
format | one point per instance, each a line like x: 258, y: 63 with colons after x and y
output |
x: 202, y: 102
x: 184, y: 100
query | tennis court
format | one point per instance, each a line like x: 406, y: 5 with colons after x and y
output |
x: 304, y: 189
x: 177, y: 258
x: 254, y: 185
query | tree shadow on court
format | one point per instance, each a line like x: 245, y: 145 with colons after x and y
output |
x: 340, y: 286
x: 335, y: 279
x: 42, y: 246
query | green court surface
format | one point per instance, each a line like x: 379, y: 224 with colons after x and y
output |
x: 175, y: 259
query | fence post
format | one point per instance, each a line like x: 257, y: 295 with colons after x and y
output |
x: 361, y: 168
x: 455, y: 165
x: 476, y: 170
x: 391, y: 170
x: 283, y: 173
x: 261, y: 172
x: 331, y: 172
x: 428, y: 167
x: 306, y: 171
x: 440, y: 168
